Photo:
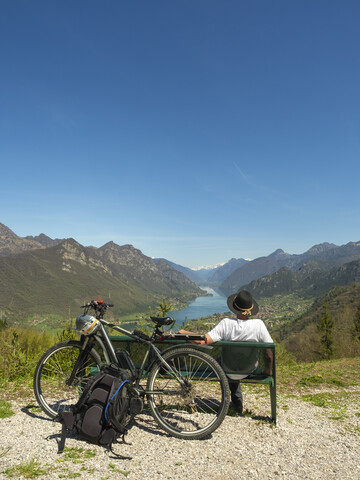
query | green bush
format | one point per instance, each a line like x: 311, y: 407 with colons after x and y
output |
x: 284, y: 357
x: 68, y: 331
x: 20, y: 350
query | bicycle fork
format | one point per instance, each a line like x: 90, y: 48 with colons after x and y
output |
x: 80, y: 361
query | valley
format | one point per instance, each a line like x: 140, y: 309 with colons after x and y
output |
x: 44, y: 282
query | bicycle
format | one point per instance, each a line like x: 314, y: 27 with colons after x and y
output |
x: 186, y: 389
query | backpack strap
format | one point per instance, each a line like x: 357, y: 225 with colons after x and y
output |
x: 67, y: 421
x: 111, y: 398
x: 90, y: 385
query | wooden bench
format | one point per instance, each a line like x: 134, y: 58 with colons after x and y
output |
x: 234, y: 357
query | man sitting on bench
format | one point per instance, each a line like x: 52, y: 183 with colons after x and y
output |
x: 241, y: 329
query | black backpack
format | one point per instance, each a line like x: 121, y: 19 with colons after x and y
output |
x: 105, y: 409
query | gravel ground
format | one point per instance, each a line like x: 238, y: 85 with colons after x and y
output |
x: 305, y: 444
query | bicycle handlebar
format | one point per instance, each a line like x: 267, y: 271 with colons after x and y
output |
x: 97, y: 304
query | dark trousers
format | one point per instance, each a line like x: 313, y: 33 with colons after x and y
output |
x: 235, y: 390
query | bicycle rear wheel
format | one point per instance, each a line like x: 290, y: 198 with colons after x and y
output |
x: 191, y: 401
x: 54, y: 369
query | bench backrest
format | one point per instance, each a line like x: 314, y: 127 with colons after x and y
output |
x: 239, y: 357
x: 243, y: 358
x: 241, y: 361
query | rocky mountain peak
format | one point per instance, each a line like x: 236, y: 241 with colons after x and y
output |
x: 72, y: 250
x: 279, y: 252
x: 44, y: 240
x: 10, y: 243
x: 125, y: 255
x: 4, y: 230
x: 70, y: 243
x: 321, y: 247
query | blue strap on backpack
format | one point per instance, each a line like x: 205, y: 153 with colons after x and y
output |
x: 111, y: 401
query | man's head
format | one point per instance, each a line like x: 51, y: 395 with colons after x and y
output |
x: 243, y: 304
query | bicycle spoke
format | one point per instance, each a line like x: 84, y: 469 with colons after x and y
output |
x: 52, y: 373
x: 196, y: 405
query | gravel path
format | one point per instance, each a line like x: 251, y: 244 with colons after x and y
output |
x: 306, y: 444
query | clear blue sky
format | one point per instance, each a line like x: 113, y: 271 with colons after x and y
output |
x: 195, y: 130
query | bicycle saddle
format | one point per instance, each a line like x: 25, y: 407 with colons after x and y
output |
x: 161, y: 321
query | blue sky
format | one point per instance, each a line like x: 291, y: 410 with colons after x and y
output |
x: 194, y: 130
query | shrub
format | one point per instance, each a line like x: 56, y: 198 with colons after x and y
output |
x: 20, y: 350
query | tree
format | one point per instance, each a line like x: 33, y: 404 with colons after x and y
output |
x: 325, y: 326
x: 356, y: 326
x: 164, y: 308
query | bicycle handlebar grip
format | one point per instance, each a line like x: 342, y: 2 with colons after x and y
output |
x: 141, y: 334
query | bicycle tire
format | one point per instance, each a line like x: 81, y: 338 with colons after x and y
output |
x: 54, y: 368
x: 198, y: 406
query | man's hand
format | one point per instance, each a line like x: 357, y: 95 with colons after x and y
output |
x: 185, y: 332
x: 199, y: 342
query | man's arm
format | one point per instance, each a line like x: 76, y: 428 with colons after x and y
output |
x: 208, y: 340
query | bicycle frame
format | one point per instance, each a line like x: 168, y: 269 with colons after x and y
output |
x: 103, y: 340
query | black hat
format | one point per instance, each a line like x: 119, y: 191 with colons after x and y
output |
x: 242, y: 303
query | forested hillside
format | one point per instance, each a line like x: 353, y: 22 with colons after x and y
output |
x: 330, y: 328
x: 52, y: 280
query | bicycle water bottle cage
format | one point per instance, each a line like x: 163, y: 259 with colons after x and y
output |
x: 161, y: 321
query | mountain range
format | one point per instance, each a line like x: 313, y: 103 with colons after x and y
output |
x: 10, y: 243
x: 40, y: 274
x: 317, y: 260
x: 309, y: 274
x: 309, y: 281
x: 36, y: 278
x: 208, y: 276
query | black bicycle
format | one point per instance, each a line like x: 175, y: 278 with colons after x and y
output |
x: 186, y: 389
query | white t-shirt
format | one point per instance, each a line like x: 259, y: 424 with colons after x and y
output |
x: 245, y: 361
x: 235, y: 330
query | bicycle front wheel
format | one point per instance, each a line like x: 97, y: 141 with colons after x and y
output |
x: 55, y: 368
x: 190, y: 399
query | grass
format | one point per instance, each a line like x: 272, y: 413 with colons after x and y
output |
x: 5, y: 409
x: 69, y: 475
x: 4, y: 451
x: 27, y: 470
x: 77, y: 455
x: 113, y: 468
x: 33, y: 408
x: 324, y: 400
x: 335, y: 404
x: 294, y: 377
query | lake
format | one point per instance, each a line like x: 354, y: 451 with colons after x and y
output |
x: 202, y: 307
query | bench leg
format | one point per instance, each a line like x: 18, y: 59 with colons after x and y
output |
x: 273, y: 402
